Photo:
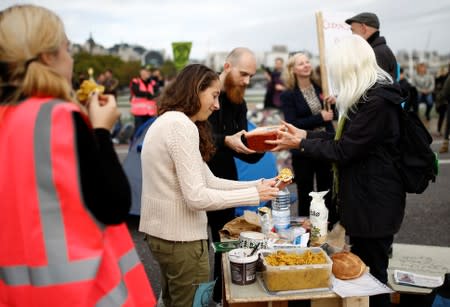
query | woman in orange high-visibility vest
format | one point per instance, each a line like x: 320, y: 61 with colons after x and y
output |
x: 143, y: 92
x: 64, y: 194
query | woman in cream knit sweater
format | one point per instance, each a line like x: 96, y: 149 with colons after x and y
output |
x: 178, y: 186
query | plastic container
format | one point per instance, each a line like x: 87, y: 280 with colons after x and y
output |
x: 297, y: 277
x: 281, y: 210
x: 256, y: 138
x: 243, y: 266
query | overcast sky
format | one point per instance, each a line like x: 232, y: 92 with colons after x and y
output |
x: 257, y: 24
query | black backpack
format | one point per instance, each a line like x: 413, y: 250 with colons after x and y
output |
x: 418, y: 164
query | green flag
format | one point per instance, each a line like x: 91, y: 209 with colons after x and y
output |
x: 181, y: 52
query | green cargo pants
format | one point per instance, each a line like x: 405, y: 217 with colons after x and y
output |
x: 183, y: 266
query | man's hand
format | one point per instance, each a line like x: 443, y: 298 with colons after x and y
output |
x: 234, y: 142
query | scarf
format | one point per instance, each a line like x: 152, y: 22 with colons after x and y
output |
x: 334, y: 166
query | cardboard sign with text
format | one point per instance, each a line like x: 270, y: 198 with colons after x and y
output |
x: 330, y: 28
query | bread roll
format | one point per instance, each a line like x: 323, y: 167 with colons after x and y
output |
x: 347, y: 265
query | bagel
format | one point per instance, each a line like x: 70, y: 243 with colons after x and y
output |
x: 347, y: 265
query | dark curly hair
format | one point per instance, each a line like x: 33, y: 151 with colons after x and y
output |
x: 182, y: 94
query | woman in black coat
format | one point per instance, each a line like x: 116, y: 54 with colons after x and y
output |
x: 370, y: 194
x: 304, y: 108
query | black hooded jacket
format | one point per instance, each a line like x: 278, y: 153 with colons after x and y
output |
x: 371, y: 197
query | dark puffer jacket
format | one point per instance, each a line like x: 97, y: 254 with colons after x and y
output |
x: 371, y: 196
x: 385, y: 57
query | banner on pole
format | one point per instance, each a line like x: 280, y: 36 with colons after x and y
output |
x: 181, y: 51
x: 330, y: 28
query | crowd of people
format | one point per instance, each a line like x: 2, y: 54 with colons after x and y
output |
x: 60, y: 170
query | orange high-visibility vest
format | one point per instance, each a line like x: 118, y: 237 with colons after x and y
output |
x: 53, y: 251
x: 141, y: 106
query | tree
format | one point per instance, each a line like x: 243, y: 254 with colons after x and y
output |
x: 123, y: 71
x: 168, y: 69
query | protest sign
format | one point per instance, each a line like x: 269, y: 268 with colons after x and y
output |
x: 181, y: 51
x: 330, y: 28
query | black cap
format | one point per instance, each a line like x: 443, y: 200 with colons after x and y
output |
x: 369, y: 19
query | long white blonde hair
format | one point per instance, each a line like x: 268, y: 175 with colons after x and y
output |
x: 353, y: 70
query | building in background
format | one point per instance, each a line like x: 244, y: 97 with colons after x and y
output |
x: 124, y: 51
x: 215, y: 60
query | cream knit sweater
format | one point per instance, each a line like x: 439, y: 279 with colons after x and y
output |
x: 178, y: 186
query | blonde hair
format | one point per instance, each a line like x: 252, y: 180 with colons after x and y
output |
x: 27, y: 31
x: 289, y: 78
x: 353, y: 70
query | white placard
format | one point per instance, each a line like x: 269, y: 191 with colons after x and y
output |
x: 331, y: 27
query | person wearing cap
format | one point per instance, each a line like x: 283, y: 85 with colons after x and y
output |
x: 367, y: 26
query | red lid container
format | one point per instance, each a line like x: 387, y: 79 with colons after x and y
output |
x: 256, y: 138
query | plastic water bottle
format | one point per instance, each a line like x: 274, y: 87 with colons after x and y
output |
x: 318, y: 216
x: 281, y: 210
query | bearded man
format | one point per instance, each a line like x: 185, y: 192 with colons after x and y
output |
x: 229, y: 124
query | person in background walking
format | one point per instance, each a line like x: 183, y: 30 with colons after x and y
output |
x: 441, y: 105
x: 407, y: 91
x: 178, y: 186
x: 304, y: 107
x: 444, y: 97
x: 367, y: 25
x: 424, y: 83
x: 368, y: 187
x: 143, y: 93
x: 64, y: 194
x: 275, y: 86
x: 110, y: 83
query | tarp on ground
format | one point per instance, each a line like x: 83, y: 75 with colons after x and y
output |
x: 132, y: 166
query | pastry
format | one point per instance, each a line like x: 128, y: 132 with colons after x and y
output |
x: 285, y: 175
x: 86, y: 88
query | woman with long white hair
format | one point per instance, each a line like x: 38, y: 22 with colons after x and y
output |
x: 367, y: 186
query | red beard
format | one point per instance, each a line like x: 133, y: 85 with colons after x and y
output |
x: 235, y: 93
